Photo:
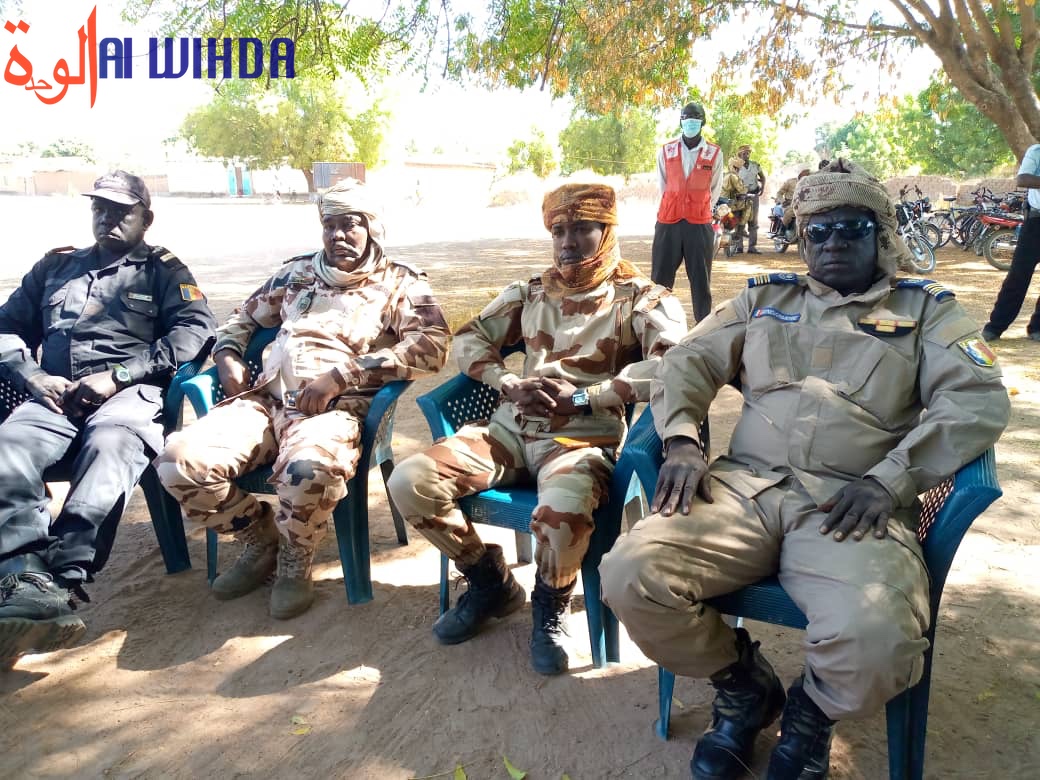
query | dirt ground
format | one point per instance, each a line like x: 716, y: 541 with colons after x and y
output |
x: 168, y: 682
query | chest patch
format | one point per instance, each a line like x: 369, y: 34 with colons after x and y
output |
x: 883, y: 327
x: 978, y: 351
x: 776, y: 314
x: 133, y: 296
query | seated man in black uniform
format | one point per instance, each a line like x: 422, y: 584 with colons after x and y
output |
x: 110, y: 323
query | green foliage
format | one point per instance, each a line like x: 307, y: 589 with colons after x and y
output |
x: 65, y: 147
x: 876, y: 141
x: 621, y: 143
x: 733, y: 120
x: 948, y: 135
x: 534, y: 154
x: 297, y: 122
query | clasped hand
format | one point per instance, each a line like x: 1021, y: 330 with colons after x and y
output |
x: 542, y: 396
x: 74, y: 399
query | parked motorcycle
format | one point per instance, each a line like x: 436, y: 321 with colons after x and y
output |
x: 779, y: 235
x: 719, y: 215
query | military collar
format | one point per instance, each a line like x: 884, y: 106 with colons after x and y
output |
x: 873, y: 294
x: 138, y: 256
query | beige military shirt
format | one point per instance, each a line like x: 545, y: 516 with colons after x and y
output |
x: 785, y: 194
x: 609, y: 339
x: 895, y: 383
x: 387, y: 327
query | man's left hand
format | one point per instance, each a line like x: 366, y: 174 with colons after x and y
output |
x: 857, y: 508
x: 315, y: 396
x: 83, y: 397
x: 561, y: 391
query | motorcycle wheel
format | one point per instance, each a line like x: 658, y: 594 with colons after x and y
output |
x: 999, y: 248
x: 780, y: 244
x: 922, y: 254
x: 931, y: 234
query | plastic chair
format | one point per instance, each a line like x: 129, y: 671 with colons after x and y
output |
x: 462, y: 400
x: 164, y: 510
x: 948, y: 510
x: 351, y: 514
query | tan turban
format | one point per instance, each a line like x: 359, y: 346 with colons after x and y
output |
x: 843, y: 183
x: 743, y: 148
x: 576, y: 203
x: 349, y: 196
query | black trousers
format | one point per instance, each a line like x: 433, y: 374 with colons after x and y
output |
x: 106, y: 453
x: 1016, y: 284
x: 674, y: 243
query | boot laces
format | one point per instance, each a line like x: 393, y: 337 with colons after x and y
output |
x: 39, y: 580
x: 294, y: 560
x: 553, y: 610
x: 803, y: 719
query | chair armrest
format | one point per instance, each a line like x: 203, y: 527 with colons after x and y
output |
x: 459, y: 400
x: 201, y: 391
x: 173, y: 403
x: 378, y: 427
x: 641, y: 456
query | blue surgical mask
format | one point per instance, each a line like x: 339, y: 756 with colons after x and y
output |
x: 690, y: 127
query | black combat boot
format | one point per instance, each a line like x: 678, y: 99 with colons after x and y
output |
x: 804, y: 749
x: 550, y: 610
x: 748, y: 697
x: 35, y: 614
x: 492, y: 593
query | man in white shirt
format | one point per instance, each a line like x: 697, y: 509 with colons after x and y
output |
x: 1027, y: 254
x: 690, y: 171
x: 754, y: 179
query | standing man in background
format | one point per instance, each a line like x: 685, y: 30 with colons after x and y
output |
x: 1027, y: 254
x: 690, y: 176
x: 755, y: 181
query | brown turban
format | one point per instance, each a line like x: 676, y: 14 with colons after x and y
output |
x: 744, y: 147
x: 577, y: 203
x: 843, y: 183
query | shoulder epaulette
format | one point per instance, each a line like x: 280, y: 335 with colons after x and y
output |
x: 408, y: 267
x: 783, y: 277
x: 930, y: 286
x: 306, y: 256
x: 164, y: 255
x: 61, y: 250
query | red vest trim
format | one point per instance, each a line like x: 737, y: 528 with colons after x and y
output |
x: 687, y: 197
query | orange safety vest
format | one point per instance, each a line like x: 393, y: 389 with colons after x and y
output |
x: 687, y: 197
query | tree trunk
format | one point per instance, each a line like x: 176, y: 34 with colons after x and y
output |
x: 309, y: 175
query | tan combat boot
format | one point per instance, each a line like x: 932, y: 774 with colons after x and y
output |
x: 256, y: 562
x: 293, y: 591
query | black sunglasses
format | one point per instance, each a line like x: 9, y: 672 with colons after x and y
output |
x: 850, y: 230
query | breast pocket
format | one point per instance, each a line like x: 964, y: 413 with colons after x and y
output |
x: 139, y: 316
x: 52, y: 310
x: 768, y: 359
x: 881, y: 380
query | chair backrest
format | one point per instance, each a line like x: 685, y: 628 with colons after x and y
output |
x: 9, y: 397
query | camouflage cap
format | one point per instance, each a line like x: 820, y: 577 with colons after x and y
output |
x: 121, y: 187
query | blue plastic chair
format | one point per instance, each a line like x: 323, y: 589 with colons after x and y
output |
x: 948, y: 510
x: 164, y: 510
x: 462, y: 400
x: 351, y: 514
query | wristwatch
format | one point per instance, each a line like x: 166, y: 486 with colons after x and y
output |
x: 121, y: 375
x: 580, y: 398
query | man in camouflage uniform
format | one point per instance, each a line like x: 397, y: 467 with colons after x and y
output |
x: 594, y: 330
x: 111, y: 323
x: 754, y: 179
x: 785, y: 198
x: 350, y: 320
x: 734, y: 189
x: 861, y: 391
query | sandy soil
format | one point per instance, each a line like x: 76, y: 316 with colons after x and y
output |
x: 169, y: 682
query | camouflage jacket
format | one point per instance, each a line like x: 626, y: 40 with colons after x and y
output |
x: 388, y: 328
x: 609, y: 340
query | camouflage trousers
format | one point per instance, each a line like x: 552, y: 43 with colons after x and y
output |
x: 571, y: 482
x: 312, y: 457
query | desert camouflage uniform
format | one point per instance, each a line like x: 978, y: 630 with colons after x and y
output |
x: 388, y: 327
x: 610, y: 340
x: 785, y: 197
x: 735, y: 189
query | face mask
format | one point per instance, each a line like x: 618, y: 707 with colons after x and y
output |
x: 690, y: 127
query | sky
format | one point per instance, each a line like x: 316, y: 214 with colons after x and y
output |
x: 131, y: 118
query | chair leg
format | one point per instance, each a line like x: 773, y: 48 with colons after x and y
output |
x: 387, y: 467
x: 351, y: 520
x: 524, y: 547
x: 907, y: 723
x: 211, y: 555
x: 445, y: 602
x: 665, y: 689
x: 167, y: 522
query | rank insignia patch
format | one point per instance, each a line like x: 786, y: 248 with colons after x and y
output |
x: 978, y: 350
x: 189, y: 292
x: 883, y: 327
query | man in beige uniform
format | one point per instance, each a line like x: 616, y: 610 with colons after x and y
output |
x: 861, y: 391
x: 350, y: 320
x: 594, y: 330
x: 735, y: 190
x: 785, y: 197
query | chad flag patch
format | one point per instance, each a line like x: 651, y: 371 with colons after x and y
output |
x: 978, y: 350
x: 189, y: 292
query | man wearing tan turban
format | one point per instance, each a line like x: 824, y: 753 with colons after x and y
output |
x: 861, y: 391
x: 594, y: 330
x: 350, y: 320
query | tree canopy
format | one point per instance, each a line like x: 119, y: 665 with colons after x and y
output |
x: 534, y: 154
x: 622, y: 143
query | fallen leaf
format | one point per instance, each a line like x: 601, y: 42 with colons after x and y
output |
x: 460, y: 773
x: 985, y: 696
x: 1012, y: 391
x: 677, y: 703
x: 301, y: 726
x: 514, y: 773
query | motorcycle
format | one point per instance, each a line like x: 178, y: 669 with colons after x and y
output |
x: 921, y: 252
x: 780, y: 236
x: 719, y: 216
